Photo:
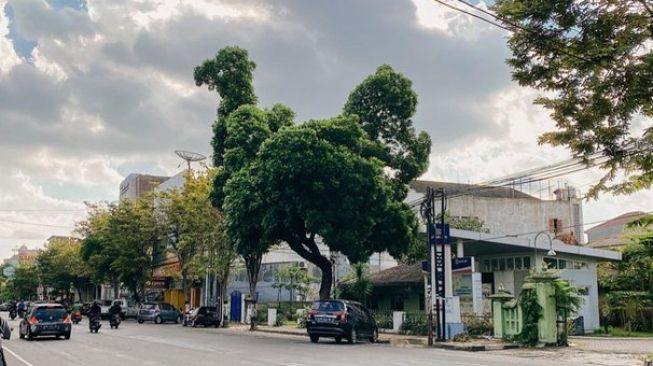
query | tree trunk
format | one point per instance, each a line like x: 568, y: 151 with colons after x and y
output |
x: 224, y: 296
x: 308, y: 249
x: 253, y: 264
x: 116, y: 289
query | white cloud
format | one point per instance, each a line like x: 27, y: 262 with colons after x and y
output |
x: 8, y: 56
x: 450, y: 22
x: 111, y: 92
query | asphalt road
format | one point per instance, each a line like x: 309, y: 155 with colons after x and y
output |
x: 170, y: 344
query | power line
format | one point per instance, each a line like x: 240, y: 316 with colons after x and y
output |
x: 535, y: 232
x: 513, y: 26
x: 40, y: 210
x: 472, y: 14
x: 35, y: 224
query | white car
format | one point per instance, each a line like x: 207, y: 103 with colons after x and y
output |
x: 129, y: 307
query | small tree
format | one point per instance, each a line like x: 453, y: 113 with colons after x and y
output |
x: 357, y: 286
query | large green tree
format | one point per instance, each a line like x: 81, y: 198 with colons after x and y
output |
x: 118, y: 241
x: 61, y: 267
x: 318, y: 183
x: 194, y: 229
x: 238, y: 132
x: 594, y: 60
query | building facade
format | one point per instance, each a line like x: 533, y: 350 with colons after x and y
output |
x: 499, y: 208
x: 139, y: 185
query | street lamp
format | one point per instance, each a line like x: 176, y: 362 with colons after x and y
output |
x: 551, y: 252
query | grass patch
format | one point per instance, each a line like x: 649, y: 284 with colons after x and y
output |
x: 621, y: 332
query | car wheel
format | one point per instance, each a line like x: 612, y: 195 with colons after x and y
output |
x: 338, y: 340
x: 216, y: 324
x: 375, y: 336
x: 20, y: 334
x: 158, y: 320
x: 67, y: 336
x: 140, y: 321
x: 314, y: 339
x: 178, y: 319
x: 353, y: 336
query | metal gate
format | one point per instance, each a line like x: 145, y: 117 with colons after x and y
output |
x: 236, y: 306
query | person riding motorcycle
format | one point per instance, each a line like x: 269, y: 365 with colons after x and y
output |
x: 21, y: 308
x: 115, y: 312
x: 94, y: 314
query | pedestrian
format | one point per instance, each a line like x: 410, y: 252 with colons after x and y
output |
x: 5, y: 334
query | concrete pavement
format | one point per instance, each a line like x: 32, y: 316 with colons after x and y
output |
x: 170, y: 344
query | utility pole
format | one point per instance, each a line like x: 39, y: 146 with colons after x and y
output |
x: 428, y: 212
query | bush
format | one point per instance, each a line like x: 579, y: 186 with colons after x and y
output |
x: 415, y: 324
x: 477, y: 326
x: 383, y: 319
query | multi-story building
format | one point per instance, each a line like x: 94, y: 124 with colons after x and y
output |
x: 139, y: 185
x: 508, y: 211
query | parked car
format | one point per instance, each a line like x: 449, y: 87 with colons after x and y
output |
x: 158, y: 312
x: 340, y: 319
x: 204, y: 315
x: 45, y: 320
x: 129, y: 308
x: 6, y: 306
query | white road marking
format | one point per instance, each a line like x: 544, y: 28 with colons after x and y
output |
x: 16, y: 356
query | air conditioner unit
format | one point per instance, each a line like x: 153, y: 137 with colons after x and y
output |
x: 302, y: 264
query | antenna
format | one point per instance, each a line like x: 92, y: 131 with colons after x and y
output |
x: 189, y: 157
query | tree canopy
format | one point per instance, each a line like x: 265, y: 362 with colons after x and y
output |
x: 594, y: 60
x: 339, y: 181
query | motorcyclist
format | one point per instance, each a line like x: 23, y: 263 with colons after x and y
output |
x: 21, y: 308
x: 95, y: 311
x: 5, y: 333
x: 115, y: 311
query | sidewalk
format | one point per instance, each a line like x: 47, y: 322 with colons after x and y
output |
x: 397, y: 340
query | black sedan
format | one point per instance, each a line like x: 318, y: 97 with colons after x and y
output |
x: 204, y: 315
x: 45, y: 320
x: 341, y: 319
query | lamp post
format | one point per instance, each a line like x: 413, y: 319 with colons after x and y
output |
x: 550, y: 252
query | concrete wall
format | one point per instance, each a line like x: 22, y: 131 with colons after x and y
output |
x: 499, y: 214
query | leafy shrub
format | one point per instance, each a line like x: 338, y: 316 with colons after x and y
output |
x: 478, y: 325
x: 415, y: 324
x: 532, y: 312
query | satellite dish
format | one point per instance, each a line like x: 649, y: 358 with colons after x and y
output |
x: 189, y: 156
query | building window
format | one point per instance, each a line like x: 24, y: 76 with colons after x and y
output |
x: 495, y: 265
x: 555, y: 226
x: 527, y: 262
x: 518, y: 263
x: 502, y: 264
x: 486, y: 266
x: 510, y: 264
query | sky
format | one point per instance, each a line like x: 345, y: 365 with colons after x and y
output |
x: 92, y: 90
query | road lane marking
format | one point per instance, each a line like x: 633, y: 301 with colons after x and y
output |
x: 16, y: 356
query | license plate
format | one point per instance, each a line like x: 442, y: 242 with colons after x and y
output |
x: 324, y: 319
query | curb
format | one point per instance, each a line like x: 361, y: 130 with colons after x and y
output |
x: 609, y: 338
x: 297, y: 334
x: 412, y: 342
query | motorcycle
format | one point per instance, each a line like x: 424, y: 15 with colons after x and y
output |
x: 76, y: 316
x: 94, y: 324
x: 12, y: 314
x: 114, y: 321
x: 21, y: 313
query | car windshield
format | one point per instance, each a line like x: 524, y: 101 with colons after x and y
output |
x: 149, y: 306
x: 328, y: 306
x: 50, y: 314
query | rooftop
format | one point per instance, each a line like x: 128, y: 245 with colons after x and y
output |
x: 470, y: 189
x: 620, y: 220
